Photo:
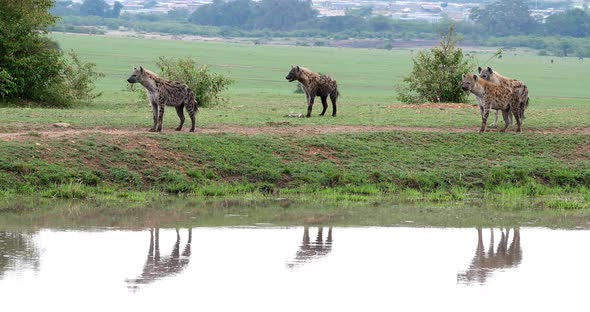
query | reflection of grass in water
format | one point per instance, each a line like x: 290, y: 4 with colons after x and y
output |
x: 409, y: 208
x: 22, y: 250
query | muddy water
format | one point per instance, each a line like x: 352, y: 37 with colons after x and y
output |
x: 294, y: 269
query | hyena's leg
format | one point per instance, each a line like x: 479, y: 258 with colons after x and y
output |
x: 484, y: 119
x: 192, y: 108
x: 155, y: 113
x: 180, y: 112
x: 310, y: 105
x: 333, y: 98
x: 160, y: 118
x: 480, y: 103
x: 506, y: 116
x: 516, y: 113
x: 495, y: 124
x: 324, y: 104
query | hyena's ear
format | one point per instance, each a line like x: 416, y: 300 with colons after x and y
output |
x: 490, y: 70
x: 475, y: 77
x: 463, y: 76
x: 297, y: 67
x: 141, y: 69
x: 479, y: 69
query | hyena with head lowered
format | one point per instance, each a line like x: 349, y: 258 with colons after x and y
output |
x: 315, y: 85
x: 162, y: 93
x: 493, y: 96
x: 518, y: 86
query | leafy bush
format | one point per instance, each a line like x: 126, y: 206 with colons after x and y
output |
x: 436, y: 75
x: 32, y: 67
x: 80, y: 78
x: 206, y: 86
x: 7, y: 84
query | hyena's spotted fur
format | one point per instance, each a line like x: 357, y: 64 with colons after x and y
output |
x: 518, y: 86
x: 493, y: 96
x: 315, y: 85
x: 162, y: 93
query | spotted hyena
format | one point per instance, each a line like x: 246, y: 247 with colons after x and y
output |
x: 493, y: 96
x: 519, y: 87
x: 315, y: 85
x: 162, y: 93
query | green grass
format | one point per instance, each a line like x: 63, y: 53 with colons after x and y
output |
x: 353, y: 167
x: 360, y: 165
x: 261, y: 94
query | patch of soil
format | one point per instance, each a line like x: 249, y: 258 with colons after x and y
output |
x: 433, y: 106
x: 280, y: 129
x: 323, y: 152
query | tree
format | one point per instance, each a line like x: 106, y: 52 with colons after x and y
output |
x: 343, y: 23
x: 32, y: 67
x: 116, y: 11
x: 62, y: 8
x: 94, y: 7
x: 238, y: 13
x: 505, y: 17
x: 575, y: 23
x: 437, y: 73
x: 283, y: 14
x: 380, y: 23
x: 100, y: 8
x: 247, y: 14
x: 26, y: 56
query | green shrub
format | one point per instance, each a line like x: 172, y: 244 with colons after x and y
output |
x: 80, y: 77
x: 7, y: 84
x: 207, y: 86
x: 436, y: 75
x: 32, y: 67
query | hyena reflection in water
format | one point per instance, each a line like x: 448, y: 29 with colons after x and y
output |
x: 309, y: 251
x: 484, y: 264
x: 157, y: 267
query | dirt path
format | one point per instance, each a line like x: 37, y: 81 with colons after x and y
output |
x: 256, y: 130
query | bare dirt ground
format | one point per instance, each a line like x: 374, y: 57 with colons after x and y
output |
x: 272, y: 128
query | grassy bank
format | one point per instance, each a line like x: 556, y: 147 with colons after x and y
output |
x: 435, y: 166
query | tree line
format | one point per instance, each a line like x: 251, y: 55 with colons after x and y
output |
x: 499, y: 18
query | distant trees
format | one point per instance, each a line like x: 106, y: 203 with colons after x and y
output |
x: 238, y: 13
x: 247, y: 14
x: 505, y: 17
x: 575, y: 23
x: 100, y: 8
x: 283, y: 15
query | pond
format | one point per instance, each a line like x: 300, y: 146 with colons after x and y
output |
x: 293, y: 268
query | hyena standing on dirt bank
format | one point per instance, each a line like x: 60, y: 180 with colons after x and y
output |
x: 518, y: 86
x: 493, y: 96
x: 161, y: 93
x: 315, y: 85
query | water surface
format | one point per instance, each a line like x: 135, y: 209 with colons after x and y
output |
x: 294, y: 269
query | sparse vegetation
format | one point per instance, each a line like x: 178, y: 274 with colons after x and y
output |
x: 436, y: 74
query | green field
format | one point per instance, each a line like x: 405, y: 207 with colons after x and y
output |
x: 438, y: 156
x: 261, y: 94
